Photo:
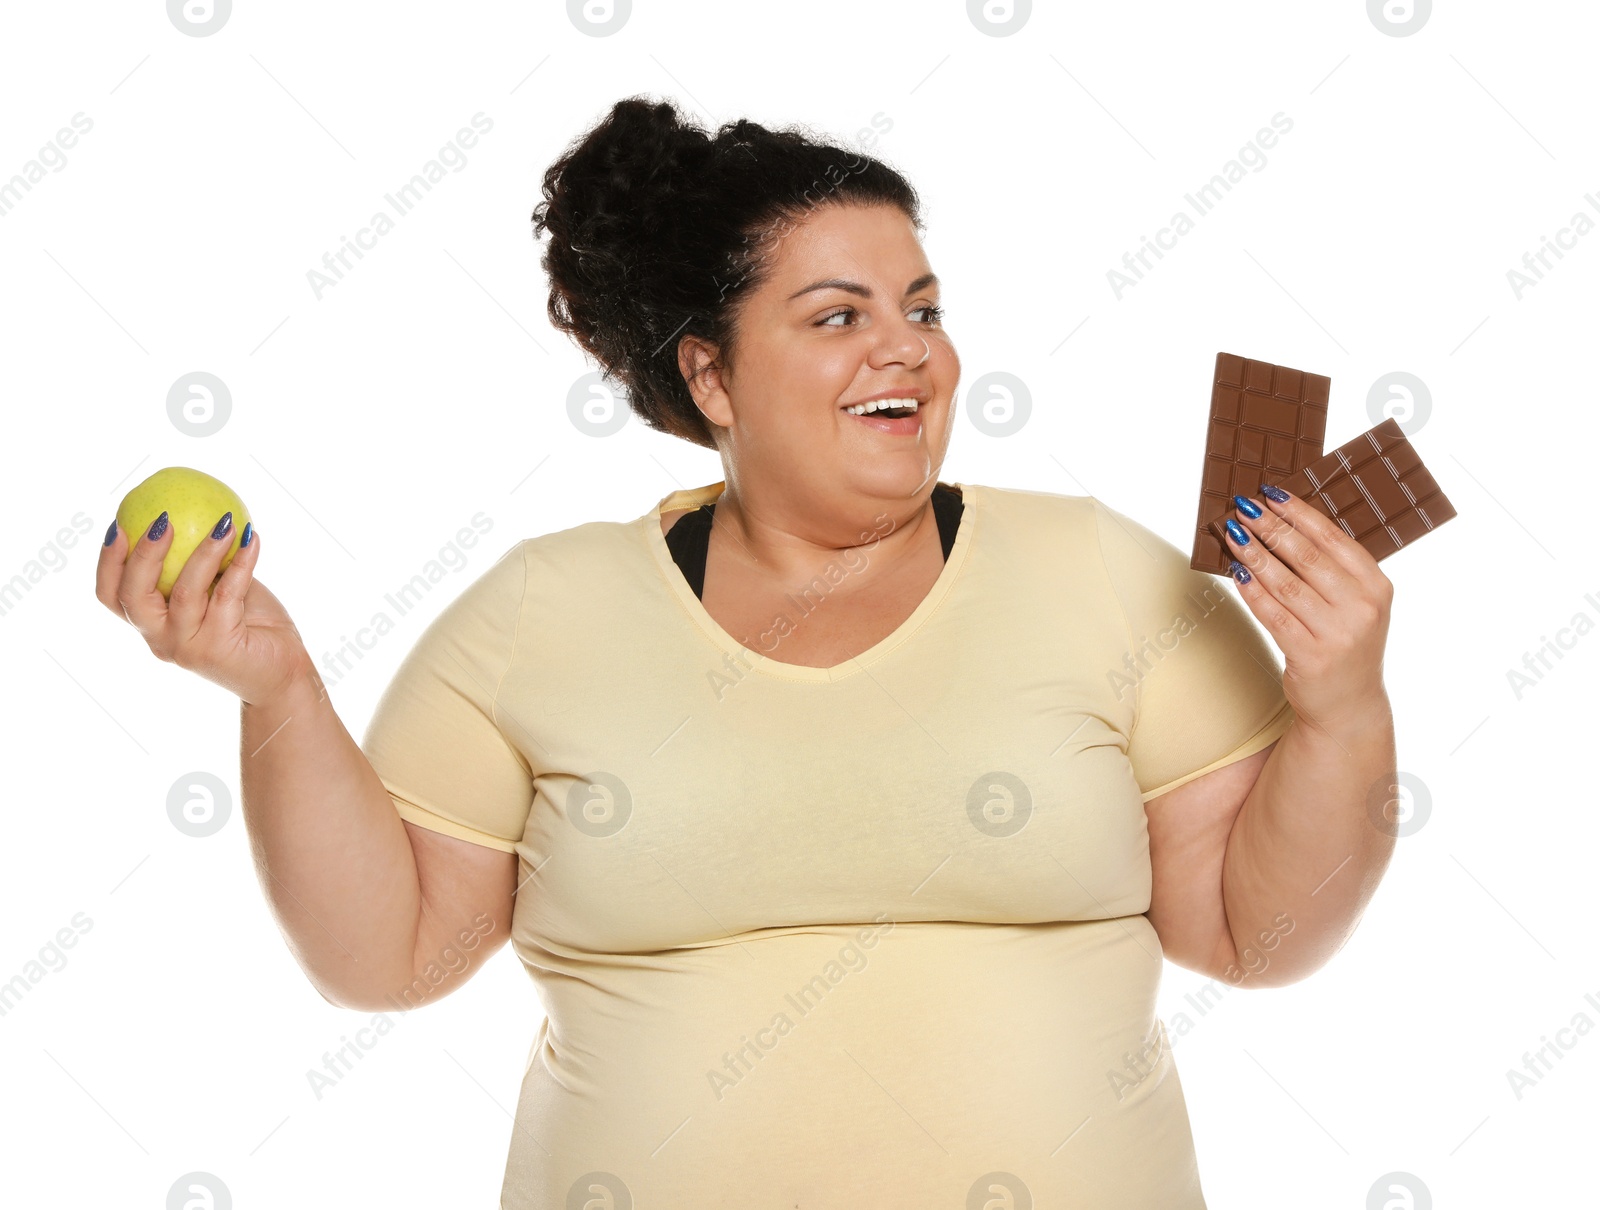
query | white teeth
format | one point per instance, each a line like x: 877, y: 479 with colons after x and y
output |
x: 878, y: 405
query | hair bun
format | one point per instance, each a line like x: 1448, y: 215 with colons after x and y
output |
x: 655, y: 231
x: 608, y: 187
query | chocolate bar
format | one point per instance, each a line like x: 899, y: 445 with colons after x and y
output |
x: 1374, y: 487
x: 1267, y: 421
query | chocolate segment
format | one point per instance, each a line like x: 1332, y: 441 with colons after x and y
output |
x: 1375, y: 487
x: 1267, y: 421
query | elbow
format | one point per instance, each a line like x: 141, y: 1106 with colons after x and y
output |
x: 1252, y: 968
x: 336, y: 997
x: 1274, y: 978
x: 357, y: 1000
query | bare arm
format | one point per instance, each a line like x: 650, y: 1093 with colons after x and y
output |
x: 1260, y: 870
x: 1188, y: 829
x: 1305, y: 855
x: 1308, y: 850
x: 381, y: 915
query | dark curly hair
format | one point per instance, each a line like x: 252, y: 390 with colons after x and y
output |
x: 659, y: 228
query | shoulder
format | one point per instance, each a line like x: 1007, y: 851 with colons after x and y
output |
x: 1024, y: 506
x: 587, y: 535
x: 573, y: 549
x: 1135, y: 560
x: 1067, y: 525
x: 593, y: 568
x: 1149, y: 575
x: 670, y: 517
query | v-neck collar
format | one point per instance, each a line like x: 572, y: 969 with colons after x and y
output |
x: 972, y: 498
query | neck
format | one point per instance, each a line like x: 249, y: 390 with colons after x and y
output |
x: 794, y: 544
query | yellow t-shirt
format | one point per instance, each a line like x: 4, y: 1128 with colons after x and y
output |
x: 825, y: 937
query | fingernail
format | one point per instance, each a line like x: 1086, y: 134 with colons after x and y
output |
x: 1275, y: 494
x: 224, y: 524
x: 111, y: 533
x: 158, y: 526
x: 1247, y: 506
x: 1239, y: 572
x: 1236, y: 532
x: 245, y: 535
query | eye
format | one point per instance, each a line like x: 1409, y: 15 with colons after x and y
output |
x: 935, y: 314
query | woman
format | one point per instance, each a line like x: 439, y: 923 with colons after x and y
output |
x: 841, y: 816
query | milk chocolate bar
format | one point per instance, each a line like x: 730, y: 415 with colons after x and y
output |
x: 1267, y: 421
x: 1374, y: 487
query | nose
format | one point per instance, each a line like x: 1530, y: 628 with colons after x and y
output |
x: 908, y: 347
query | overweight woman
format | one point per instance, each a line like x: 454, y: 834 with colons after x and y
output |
x: 841, y: 815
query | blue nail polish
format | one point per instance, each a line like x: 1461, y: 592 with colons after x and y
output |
x: 1239, y: 572
x: 1275, y: 494
x: 245, y: 535
x: 224, y: 524
x: 158, y: 526
x: 1247, y: 506
x: 1236, y: 532
x: 111, y: 533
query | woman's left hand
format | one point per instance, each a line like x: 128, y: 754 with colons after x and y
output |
x: 1323, y: 598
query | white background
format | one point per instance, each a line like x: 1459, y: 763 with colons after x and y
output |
x: 367, y: 427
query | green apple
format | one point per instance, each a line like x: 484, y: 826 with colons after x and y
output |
x: 194, y: 502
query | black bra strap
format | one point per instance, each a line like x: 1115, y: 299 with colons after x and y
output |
x: 688, y: 540
x: 690, y: 536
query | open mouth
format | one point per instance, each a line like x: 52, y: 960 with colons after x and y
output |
x: 889, y: 408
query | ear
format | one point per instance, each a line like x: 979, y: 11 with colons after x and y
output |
x: 698, y: 362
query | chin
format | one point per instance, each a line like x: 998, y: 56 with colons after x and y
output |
x: 909, y: 475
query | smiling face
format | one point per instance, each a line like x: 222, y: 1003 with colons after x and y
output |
x: 848, y: 312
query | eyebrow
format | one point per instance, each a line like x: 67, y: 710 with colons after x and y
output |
x: 841, y: 283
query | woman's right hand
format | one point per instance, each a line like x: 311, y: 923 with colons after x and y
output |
x: 239, y: 636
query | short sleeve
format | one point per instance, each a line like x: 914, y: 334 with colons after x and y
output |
x: 1205, y: 678
x: 434, y: 737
